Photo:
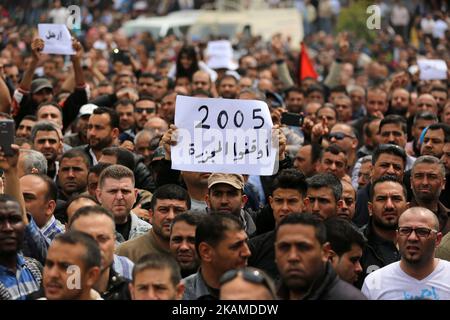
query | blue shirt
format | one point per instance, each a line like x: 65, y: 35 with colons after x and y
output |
x: 123, y: 266
x: 21, y: 283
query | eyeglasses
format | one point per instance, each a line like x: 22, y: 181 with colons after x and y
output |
x: 251, y: 275
x: 421, y: 232
x: 141, y: 110
x: 339, y: 136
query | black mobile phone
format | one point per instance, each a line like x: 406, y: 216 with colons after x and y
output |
x: 7, y: 133
x: 292, y: 119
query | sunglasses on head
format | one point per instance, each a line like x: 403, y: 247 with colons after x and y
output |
x: 250, y: 275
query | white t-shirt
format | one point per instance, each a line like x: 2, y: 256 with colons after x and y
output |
x: 392, y: 283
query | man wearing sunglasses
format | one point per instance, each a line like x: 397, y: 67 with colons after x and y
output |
x: 418, y: 275
x: 344, y: 136
x: 144, y: 109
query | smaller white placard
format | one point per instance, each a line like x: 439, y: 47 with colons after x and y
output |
x: 432, y: 69
x: 57, y: 39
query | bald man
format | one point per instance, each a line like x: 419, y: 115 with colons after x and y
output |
x: 418, y: 275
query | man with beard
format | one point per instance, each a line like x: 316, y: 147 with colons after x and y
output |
x: 388, y: 159
x: 392, y: 130
x: 167, y: 202
x: 388, y: 202
x: 323, y: 196
x: 418, y: 275
x: 144, y: 109
x: 80, y: 137
x: 301, y: 254
x: 47, y: 139
x: 228, y: 87
x: 226, y: 195
x: 115, y: 271
x: 182, y: 241
x: 73, y: 174
x: 427, y: 183
x: 221, y: 244
x: 103, y: 131
x: 399, y: 103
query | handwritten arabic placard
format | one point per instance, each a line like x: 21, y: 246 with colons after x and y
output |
x: 224, y: 135
x: 432, y: 69
x: 220, y: 55
x: 57, y: 38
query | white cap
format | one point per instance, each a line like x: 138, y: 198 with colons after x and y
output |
x: 87, y: 109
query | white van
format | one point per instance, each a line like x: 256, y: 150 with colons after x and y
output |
x: 177, y: 23
x: 263, y: 22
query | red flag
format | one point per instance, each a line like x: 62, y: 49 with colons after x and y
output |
x: 306, y: 65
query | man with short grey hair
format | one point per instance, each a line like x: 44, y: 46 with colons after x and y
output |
x: 427, y: 182
x: 31, y: 161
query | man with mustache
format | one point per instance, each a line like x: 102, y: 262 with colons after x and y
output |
x: 72, y: 268
x: 182, y: 241
x: 115, y: 271
x: 226, y: 195
x: 167, y: 202
x: 301, y: 254
x: 419, y: 275
x: 427, y: 183
x: 46, y: 139
x: 388, y: 202
x: 221, y: 244
x: 102, y: 132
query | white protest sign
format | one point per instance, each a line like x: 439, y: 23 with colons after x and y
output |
x: 432, y: 69
x: 57, y: 39
x: 220, y: 55
x: 224, y: 135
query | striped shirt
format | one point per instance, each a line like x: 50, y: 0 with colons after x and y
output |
x: 20, y: 283
x: 123, y: 266
x: 52, y: 228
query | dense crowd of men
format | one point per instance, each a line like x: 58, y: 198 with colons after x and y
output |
x: 91, y: 209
